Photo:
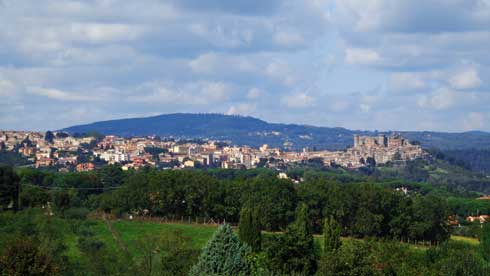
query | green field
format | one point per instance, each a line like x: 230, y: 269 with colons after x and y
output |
x: 128, y: 232
x: 471, y: 241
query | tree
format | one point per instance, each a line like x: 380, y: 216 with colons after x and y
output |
x: 429, y: 221
x: 371, y: 161
x: 180, y: 254
x: 98, y: 259
x: 452, y: 259
x: 49, y: 136
x: 331, y: 236
x: 32, y: 196
x: 150, y: 248
x: 294, y: 252
x: 351, y: 259
x: 224, y: 254
x: 249, y: 228
x: 9, y: 188
x: 24, y: 257
x: 485, y: 241
x: 397, y: 156
x: 276, y: 199
x: 62, y: 201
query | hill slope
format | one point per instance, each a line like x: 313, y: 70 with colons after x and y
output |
x: 254, y: 132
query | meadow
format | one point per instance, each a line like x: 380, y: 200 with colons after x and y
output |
x: 122, y: 235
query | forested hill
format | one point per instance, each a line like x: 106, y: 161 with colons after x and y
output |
x: 254, y: 132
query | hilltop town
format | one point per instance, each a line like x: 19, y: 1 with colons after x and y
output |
x: 68, y: 153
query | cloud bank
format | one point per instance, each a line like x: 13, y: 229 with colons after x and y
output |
x: 362, y: 64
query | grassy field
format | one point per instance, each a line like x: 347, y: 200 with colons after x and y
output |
x: 128, y: 232
x: 471, y: 241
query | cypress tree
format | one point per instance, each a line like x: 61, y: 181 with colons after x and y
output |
x: 9, y: 188
x: 485, y: 241
x: 249, y: 228
x: 331, y: 235
x: 224, y: 254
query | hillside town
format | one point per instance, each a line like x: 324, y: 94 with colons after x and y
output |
x: 84, y: 153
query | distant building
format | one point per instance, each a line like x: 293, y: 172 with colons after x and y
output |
x: 85, y: 167
x: 481, y: 218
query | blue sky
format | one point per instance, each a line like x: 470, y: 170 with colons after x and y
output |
x: 359, y: 64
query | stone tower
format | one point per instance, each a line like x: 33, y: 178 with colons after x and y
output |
x: 356, y: 140
x: 382, y: 141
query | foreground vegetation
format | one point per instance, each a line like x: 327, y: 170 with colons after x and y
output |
x: 97, y: 223
x: 54, y: 245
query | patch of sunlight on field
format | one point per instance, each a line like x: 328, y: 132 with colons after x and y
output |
x: 469, y: 240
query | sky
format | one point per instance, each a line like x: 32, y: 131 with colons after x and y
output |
x: 358, y: 64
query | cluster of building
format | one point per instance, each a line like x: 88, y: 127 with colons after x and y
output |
x: 480, y: 218
x: 369, y: 150
x: 85, y: 153
x: 46, y: 149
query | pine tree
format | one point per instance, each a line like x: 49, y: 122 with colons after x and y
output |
x: 224, y: 254
x: 249, y: 228
x: 331, y: 236
x: 485, y: 241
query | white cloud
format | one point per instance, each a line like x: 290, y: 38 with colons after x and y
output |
x: 280, y: 70
x: 7, y: 88
x: 473, y: 121
x: 195, y: 93
x: 298, y: 100
x: 241, y: 109
x: 214, y: 63
x: 406, y: 82
x: 466, y: 79
x: 365, y: 108
x: 289, y: 38
x: 97, y: 33
x: 56, y: 94
x: 409, y: 16
x: 215, y: 91
x: 440, y: 99
x: 254, y: 93
x: 361, y: 56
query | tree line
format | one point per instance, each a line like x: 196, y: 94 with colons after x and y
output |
x: 34, y: 242
x: 362, y: 208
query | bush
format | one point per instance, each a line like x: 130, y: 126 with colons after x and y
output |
x: 77, y: 213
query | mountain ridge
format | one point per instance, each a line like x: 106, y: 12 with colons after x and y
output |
x: 253, y: 131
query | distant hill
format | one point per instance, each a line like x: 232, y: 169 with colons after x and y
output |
x: 251, y: 131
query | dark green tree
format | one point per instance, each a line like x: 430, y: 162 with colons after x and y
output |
x: 180, y: 254
x: 397, y: 156
x: 249, y: 228
x: 351, y: 259
x: 49, y: 136
x: 294, y: 252
x: 370, y: 161
x: 9, y: 188
x: 224, y: 254
x: 275, y: 198
x: 24, y: 257
x: 429, y: 221
x: 32, y: 196
x: 453, y: 259
x: 485, y: 241
x: 331, y: 236
x: 98, y: 259
x: 62, y: 201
